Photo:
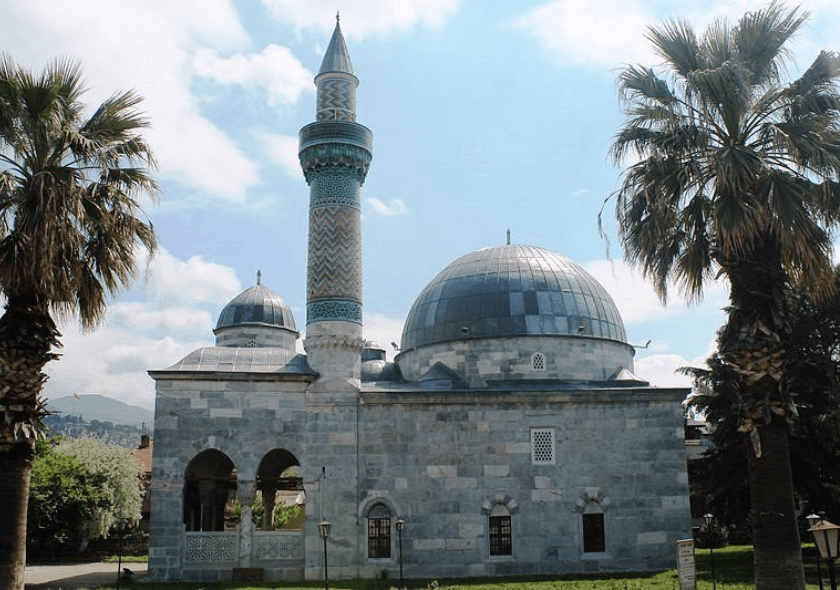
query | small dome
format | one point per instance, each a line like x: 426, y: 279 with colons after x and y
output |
x: 257, y: 305
x: 257, y: 317
x: 511, y: 290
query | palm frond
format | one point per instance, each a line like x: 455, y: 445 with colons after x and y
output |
x: 676, y: 42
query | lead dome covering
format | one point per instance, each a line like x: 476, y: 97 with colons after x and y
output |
x: 257, y: 305
x: 511, y: 290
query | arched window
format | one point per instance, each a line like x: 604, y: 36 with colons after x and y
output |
x: 379, y: 532
x: 538, y: 362
x: 594, y: 538
x: 500, y: 531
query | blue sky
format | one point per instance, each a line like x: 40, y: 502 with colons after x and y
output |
x: 486, y: 116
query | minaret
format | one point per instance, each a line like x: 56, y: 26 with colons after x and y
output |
x: 335, y: 153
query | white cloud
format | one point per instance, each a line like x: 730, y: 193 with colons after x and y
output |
x: 365, y: 18
x: 611, y: 33
x: 280, y: 149
x: 661, y: 369
x: 389, y: 209
x: 636, y: 299
x: 173, y: 281
x: 275, y: 69
x: 151, y: 50
x: 608, y: 33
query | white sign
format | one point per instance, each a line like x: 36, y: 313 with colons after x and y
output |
x: 685, y: 564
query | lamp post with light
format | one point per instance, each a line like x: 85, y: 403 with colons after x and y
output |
x: 825, y: 537
x: 709, y: 518
x: 400, y: 526
x: 813, y: 519
x: 324, y: 529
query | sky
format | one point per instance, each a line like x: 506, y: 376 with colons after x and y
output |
x: 487, y: 116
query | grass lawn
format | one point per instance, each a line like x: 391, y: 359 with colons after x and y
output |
x: 733, y: 571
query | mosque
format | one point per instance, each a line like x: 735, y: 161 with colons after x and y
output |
x: 508, y: 436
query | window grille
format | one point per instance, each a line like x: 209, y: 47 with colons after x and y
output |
x: 379, y: 532
x: 500, y: 536
x: 542, y: 446
x: 538, y: 361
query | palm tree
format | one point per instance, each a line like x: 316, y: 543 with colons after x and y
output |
x: 70, y: 236
x: 735, y: 175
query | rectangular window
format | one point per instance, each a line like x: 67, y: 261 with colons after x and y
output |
x: 593, y: 533
x: 500, y: 536
x: 379, y: 537
x: 542, y: 446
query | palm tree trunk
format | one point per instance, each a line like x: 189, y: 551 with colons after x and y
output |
x: 755, y: 343
x: 777, y: 551
x: 27, y: 335
x: 15, y: 469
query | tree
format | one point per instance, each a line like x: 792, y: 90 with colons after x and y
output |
x: 64, y: 498
x: 734, y: 176
x: 813, y: 371
x: 117, y: 470
x: 70, y: 186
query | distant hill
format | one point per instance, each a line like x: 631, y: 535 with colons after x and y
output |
x: 92, y: 406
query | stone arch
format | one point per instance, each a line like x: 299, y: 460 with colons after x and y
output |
x: 593, y: 505
x: 209, y: 482
x: 279, y: 481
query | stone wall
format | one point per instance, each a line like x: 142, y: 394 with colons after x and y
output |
x: 442, y: 461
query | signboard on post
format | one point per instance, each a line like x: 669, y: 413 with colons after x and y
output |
x: 685, y: 564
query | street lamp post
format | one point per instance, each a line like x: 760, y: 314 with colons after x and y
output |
x: 324, y: 529
x: 400, y: 526
x: 709, y: 518
x: 825, y: 537
x: 813, y: 519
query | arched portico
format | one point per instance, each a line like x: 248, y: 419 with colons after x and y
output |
x: 209, y: 482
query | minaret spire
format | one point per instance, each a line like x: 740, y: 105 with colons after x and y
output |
x: 335, y: 153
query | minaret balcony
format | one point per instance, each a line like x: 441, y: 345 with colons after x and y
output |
x: 336, y: 132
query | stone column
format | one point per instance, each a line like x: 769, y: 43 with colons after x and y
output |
x: 246, y: 494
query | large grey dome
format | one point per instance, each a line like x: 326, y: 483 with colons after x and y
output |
x: 257, y: 305
x: 511, y: 290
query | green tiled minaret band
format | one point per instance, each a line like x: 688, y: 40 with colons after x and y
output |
x: 334, y: 310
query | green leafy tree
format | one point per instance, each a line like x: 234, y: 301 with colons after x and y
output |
x: 70, y: 226
x: 117, y: 471
x: 732, y: 174
x: 64, y: 498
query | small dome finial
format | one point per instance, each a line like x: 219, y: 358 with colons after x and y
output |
x: 259, y: 276
x: 508, y: 237
x: 337, y: 17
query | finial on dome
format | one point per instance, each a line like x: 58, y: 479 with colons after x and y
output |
x: 508, y: 237
x: 337, y: 17
x: 259, y: 276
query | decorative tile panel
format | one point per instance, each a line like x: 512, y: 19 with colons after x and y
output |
x: 321, y: 311
x: 278, y: 546
x: 213, y: 547
x: 335, y: 187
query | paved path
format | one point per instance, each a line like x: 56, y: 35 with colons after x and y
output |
x: 75, y: 576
